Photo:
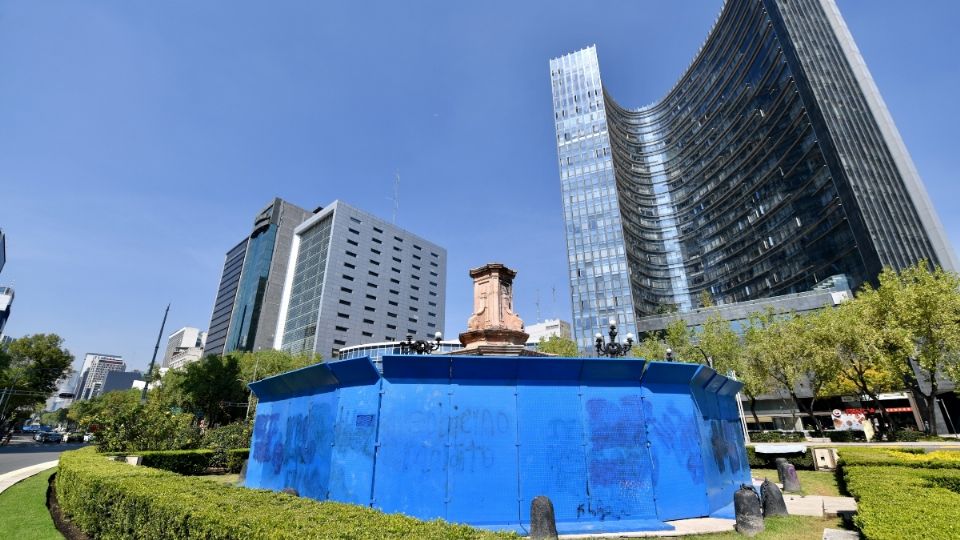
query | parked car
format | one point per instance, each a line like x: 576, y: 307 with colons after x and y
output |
x: 48, y: 437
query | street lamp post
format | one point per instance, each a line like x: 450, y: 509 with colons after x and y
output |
x: 669, y: 354
x: 706, y: 358
x: 420, y: 346
x: 613, y: 349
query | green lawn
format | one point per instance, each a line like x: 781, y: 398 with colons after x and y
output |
x: 229, y: 478
x: 23, y: 510
x: 811, y: 482
x: 781, y: 528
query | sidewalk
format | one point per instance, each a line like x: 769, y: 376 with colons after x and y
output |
x: 11, y: 478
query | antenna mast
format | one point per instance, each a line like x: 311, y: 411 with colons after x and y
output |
x: 538, y: 305
x: 396, y: 197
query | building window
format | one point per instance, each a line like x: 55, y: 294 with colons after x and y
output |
x: 433, y: 264
x: 397, y: 270
x: 350, y: 253
x: 348, y: 278
x: 395, y: 248
x: 375, y: 250
x: 413, y: 309
x: 412, y: 319
x: 434, y: 274
x: 398, y: 239
x: 395, y: 281
x: 392, y: 326
x: 377, y: 241
x: 396, y: 259
x: 368, y: 308
x: 374, y: 262
x: 343, y: 315
x: 355, y: 220
x: 350, y: 265
x: 371, y: 297
x: 434, y: 283
x: 414, y: 298
x: 378, y: 229
x: 394, y: 292
x: 434, y: 255
x: 352, y: 242
x: 341, y: 328
x: 367, y: 334
x: 372, y: 285
x: 416, y: 247
x: 354, y: 231
x: 414, y: 276
x: 346, y: 290
x: 393, y: 315
x: 345, y: 302
x: 368, y: 321
x: 416, y: 267
x: 372, y: 273
x: 414, y: 287
x: 392, y: 303
x: 339, y: 342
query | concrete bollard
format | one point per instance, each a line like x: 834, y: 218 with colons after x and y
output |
x: 772, y: 500
x: 780, y: 464
x: 790, y: 481
x: 746, y: 507
x: 543, y: 521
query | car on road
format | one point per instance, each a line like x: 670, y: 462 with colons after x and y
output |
x: 48, y: 437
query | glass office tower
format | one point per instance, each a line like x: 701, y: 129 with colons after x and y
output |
x: 772, y: 164
x: 247, y: 306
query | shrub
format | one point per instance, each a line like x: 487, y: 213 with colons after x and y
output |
x: 776, y: 436
x: 906, y: 435
x: 225, y: 438
x: 897, y: 503
x: 235, y: 459
x: 846, y: 435
x: 108, y: 499
x: 189, y: 462
x: 899, y: 457
x: 799, y: 460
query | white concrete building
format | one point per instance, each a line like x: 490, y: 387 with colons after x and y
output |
x: 548, y: 328
x: 184, y: 346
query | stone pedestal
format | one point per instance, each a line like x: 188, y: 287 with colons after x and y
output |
x: 493, y: 326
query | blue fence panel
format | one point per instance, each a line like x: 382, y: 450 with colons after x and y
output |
x: 412, y: 455
x: 482, y: 465
x: 552, y: 457
x: 737, y: 461
x: 266, y: 446
x: 619, y: 471
x: 308, y: 439
x: 354, y: 444
x: 703, y: 388
x: 673, y: 430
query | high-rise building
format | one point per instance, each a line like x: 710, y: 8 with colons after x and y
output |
x: 184, y: 346
x: 354, y: 278
x: 252, y: 296
x: 3, y: 250
x: 771, y: 164
x: 226, y: 295
x: 6, y: 304
x: 94, y: 371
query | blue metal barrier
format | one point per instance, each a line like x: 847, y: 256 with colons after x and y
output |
x: 617, y: 444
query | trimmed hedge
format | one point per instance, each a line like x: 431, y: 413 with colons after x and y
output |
x: 899, y: 457
x: 776, y: 436
x: 851, y: 435
x: 190, y: 462
x: 108, y: 499
x: 902, y: 503
x: 768, y: 461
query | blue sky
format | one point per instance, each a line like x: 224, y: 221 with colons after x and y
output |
x: 139, y: 139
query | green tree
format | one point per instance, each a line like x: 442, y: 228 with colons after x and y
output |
x: 650, y: 348
x: 793, y: 355
x: 124, y: 424
x: 720, y: 344
x: 867, y: 349
x: 563, y: 347
x: 675, y: 338
x: 213, y: 388
x: 258, y: 365
x: 34, y: 364
x: 925, y: 306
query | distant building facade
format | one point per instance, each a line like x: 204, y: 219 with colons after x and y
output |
x: 120, y: 381
x: 771, y: 164
x: 251, y: 284
x: 94, y: 371
x: 6, y: 304
x: 548, y: 329
x: 226, y: 296
x: 354, y: 278
x: 3, y: 250
x: 184, y: 346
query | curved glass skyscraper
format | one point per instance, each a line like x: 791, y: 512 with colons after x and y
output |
x: 772, y: 164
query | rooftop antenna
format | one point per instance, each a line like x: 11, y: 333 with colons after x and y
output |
x: 396, y: 197
x: 554, y: 291
x: 538, y: 305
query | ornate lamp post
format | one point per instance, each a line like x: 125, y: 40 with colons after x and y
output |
x: 669, y: 354
x: 420, y: 346
x: 613, y: 349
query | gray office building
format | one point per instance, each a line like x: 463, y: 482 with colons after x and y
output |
x: 247, y: 307
x: 3, y: 250
x: 354, y: 278
x: 771, y: 164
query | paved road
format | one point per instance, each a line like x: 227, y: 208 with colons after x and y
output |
x: 23, y: 454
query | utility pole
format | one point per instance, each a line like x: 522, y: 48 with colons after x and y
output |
x: 146, y: 385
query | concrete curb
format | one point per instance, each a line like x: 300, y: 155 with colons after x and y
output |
x: 11, y: 478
